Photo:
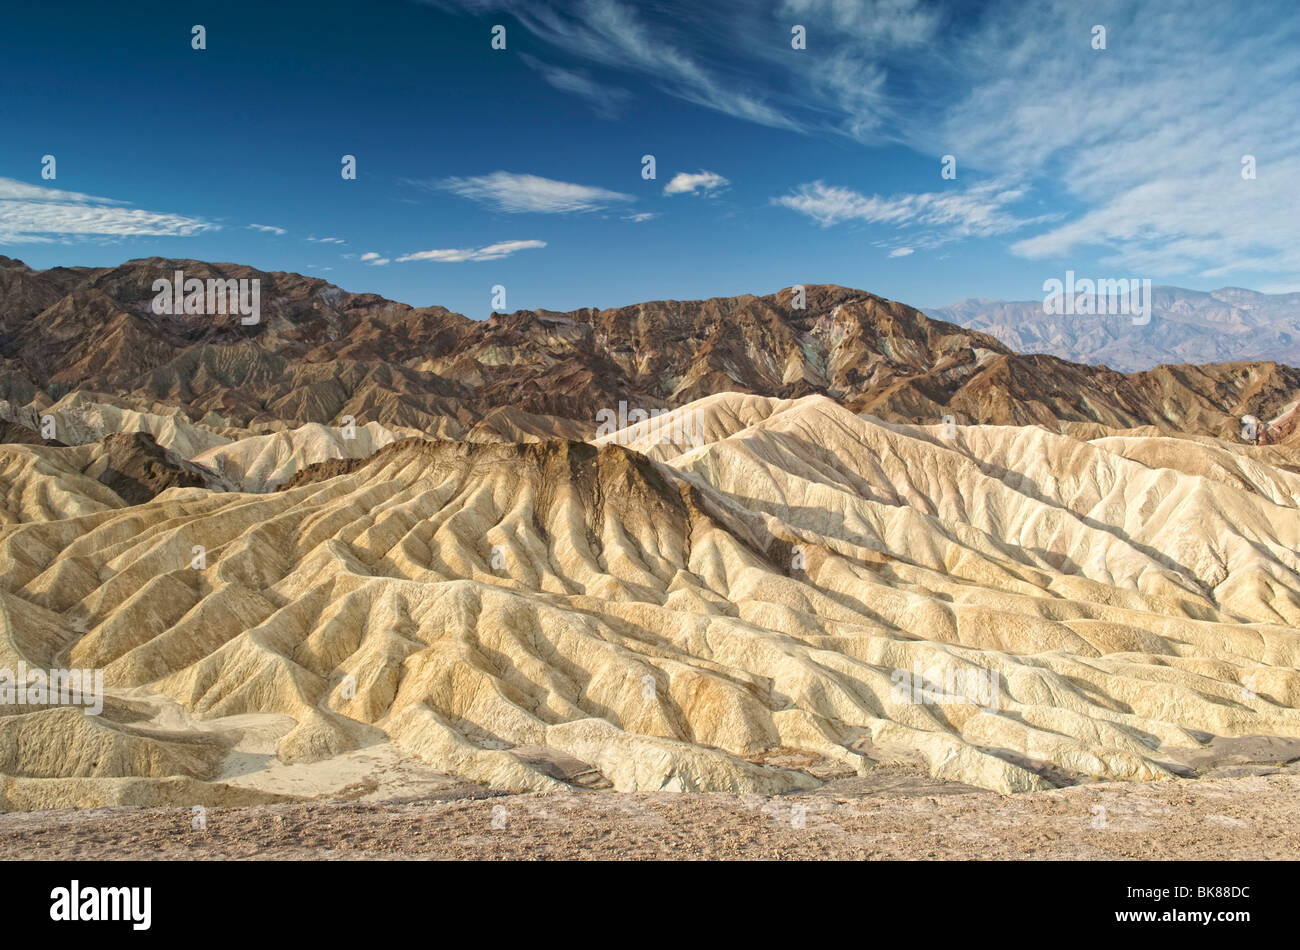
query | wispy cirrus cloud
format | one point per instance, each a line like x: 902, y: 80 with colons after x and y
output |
x: 491, y: 252
x: 608, y: 102
x: 326, y: 240
x: 268, y: 229
x: 1153, y: 180
x: 654, y: 44
x: 516, y: 194
x: 31, y: 213
x: 978, y: 211
x: 873, y: 24
x: 374, y: 259
x: 1155, y: 177
x: 702, y: 182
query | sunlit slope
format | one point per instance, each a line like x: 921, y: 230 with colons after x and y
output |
x: 674, y: 614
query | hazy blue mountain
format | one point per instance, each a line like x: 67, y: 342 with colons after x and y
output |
x: 1187, y: 326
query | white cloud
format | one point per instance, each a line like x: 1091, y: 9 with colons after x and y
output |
x: 268, y: 228
x: 900, y: 252
x: 327, y: 240
x: 491, y: 252
x: 512, y: 193
x: 12, y: 190
x: 684, y: 183
x: 641, y: 216
x: 977, y: 211
x: 30, y: 213
x: 369, y: 256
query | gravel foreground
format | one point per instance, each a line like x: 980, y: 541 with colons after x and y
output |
x: 892, y: 814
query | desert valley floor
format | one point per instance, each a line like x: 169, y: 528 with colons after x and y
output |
x: 896, y: 813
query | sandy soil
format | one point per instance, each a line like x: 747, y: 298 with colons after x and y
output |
x: 897, y: 812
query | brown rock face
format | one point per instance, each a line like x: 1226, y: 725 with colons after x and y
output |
x: 320, y: 353
x: 138, y: 469
x: 13, y: 433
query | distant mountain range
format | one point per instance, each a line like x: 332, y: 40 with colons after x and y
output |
x: 1187, y: 326
x: 320, y: 354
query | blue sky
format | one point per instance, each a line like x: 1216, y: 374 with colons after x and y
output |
x: 774, y: 166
